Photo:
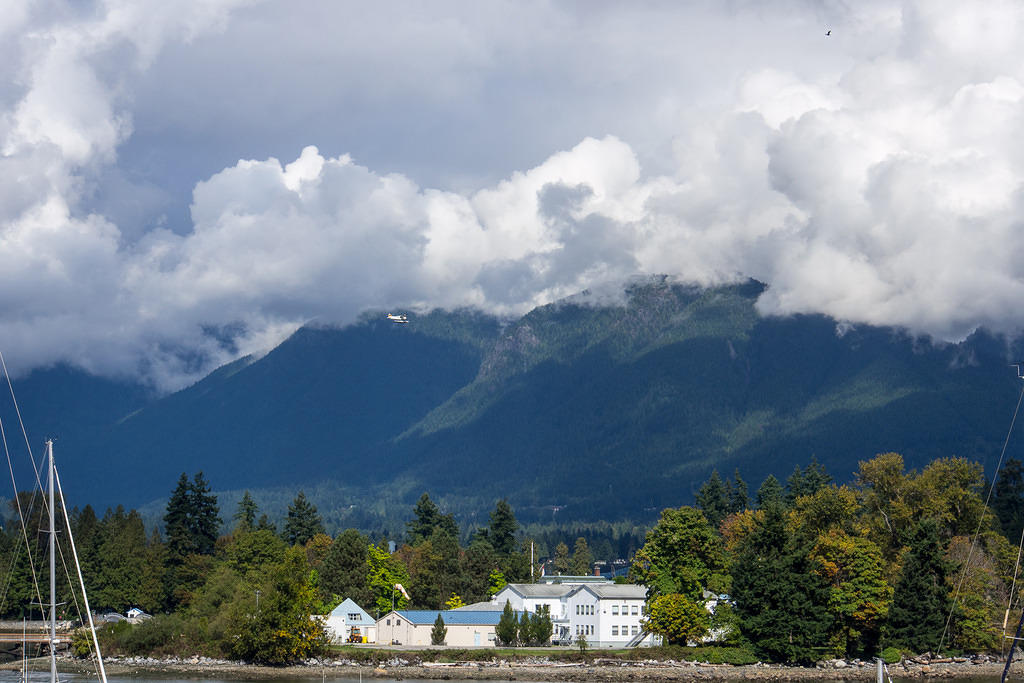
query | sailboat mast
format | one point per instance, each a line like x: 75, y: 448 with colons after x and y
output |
x: 53, y: 565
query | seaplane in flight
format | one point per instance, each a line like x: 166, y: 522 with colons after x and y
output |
x: 400, y: 318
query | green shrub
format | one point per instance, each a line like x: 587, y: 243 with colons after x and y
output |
x: 891, y: 655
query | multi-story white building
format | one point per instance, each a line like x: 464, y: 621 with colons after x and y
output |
x: 605, y: 613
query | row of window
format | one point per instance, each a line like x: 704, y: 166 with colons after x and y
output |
x: 625, y: 630
x: 585, y: 629
x: 584, y: 609
x: 626, y: 609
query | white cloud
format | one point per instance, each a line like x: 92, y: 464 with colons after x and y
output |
x: 501, y: 156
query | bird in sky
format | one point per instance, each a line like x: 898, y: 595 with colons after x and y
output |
x: 828, y: 32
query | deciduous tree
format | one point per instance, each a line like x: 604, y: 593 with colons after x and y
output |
x: 676, y: 618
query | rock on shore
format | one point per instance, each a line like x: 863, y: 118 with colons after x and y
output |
x: 540, y: 669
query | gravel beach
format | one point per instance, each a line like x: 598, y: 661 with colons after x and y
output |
x: 537, y: 670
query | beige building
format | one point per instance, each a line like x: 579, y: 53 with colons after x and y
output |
x: 413, y: 627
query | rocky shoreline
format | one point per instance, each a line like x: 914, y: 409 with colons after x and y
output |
x: 540, y: 669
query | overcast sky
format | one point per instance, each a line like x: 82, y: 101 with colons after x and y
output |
x: 185, y: 181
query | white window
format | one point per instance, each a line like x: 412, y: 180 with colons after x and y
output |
x: 633, y: 610
x: 615, y: 630
x: 591, y: 609
x: 633, y: 630
x: 615, y: 610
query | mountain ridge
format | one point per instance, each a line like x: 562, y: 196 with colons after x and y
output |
x: 601, y: 411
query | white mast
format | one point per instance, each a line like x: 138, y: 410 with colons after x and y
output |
x: 53, y: 566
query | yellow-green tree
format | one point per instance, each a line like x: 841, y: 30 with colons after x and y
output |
x: 682, y: 554
x: 858, y: 594
x: 676, y: 618
x: 276, y: 625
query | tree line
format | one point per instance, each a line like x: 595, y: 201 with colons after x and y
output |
x: 250, y: 593
x: 811, y: 568
x: 913, y: 561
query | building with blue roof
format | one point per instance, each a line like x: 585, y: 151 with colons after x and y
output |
x: 466, y: 628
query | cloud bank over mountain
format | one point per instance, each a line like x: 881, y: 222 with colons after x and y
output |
x: 182, y: 183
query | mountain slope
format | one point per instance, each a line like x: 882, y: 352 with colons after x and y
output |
x: 607, y: 411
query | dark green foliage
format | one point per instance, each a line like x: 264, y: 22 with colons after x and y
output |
x: 921, y: 598
x: 739, y: 498
x: 770, y: 493
x: 303, y: 521
x: 524, y: 634
x: 561, y: 561
x: 541, y: 627
x: 804, y: 482
x: 1008, y: 499
x: 438, y: 573
x: 427, y: 518
x: 192, y: 521
x: 713, y: 499
x: 477, y: 563
x: 507, y: 630
x: 345, y: 567
x: 780, y: 599
x: 581, y: 558
x: 204, y: 516
x: 439, y: 632
x: 246, y: 513
x: 501, y: 533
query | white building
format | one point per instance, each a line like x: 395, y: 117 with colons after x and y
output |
x: 349, y: 623
x: 608, y: 615
x: 605, y: 613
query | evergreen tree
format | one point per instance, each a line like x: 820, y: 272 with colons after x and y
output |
x: 739, y: 498
x: 781, y: 600
x: 264, y: 524
x: 713, y: 500
x: 303, y: 521
x: 426, y: 518
x: 177, y: 525
x: 921, y: 601
x: 581, y: 558
x: 204, y: 515
x: 805, y: 482
x: 344, y: 569
x: 439, y: 632
x: 561, y: 561
x: 501, y: 533
x: 542, y: 628
x: 770, y: 493
x: 507, y: 629
x: 477, y: 563
x: 246, y: 513
x: 525, y: 633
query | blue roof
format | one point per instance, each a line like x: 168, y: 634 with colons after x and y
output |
x: 455, y: 617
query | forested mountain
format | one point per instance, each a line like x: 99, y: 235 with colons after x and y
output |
x: 606, y: 411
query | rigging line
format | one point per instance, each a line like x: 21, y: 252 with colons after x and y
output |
x: 81, y: 581
x: 14, y: 485
x: 1013, y: 586
x: 981, y: 521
